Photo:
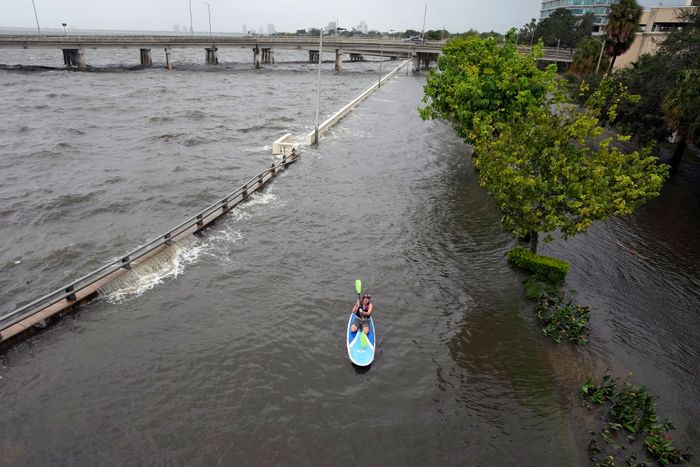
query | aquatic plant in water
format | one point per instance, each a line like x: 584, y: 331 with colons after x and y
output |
x: 562, y: 319
x: 631, y: 410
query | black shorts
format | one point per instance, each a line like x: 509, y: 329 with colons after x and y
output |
x: 360, y: 323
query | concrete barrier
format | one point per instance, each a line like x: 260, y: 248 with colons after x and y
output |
x: 336, y: 117
x: 284, y: 145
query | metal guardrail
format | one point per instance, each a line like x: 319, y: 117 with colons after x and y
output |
x: 68, y: 292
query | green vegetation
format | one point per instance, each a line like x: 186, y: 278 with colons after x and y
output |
x: 562, y: 319
x: 631, y: 417
x: 554, y: 270
x: 623, y: 22
x: 586, y: 57
x: 667, y: 84
x: 546, y: 162
x: 563, y: 29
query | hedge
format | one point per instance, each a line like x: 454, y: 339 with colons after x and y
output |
x: 552, y: 269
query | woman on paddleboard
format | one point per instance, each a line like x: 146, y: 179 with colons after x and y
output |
x: 362, y: 310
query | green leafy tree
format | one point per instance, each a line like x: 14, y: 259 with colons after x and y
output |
x: 585, y: 60
x: 654, y: 77
x: 649, y: 79
x: 546, y: 163
x: 564, y: 27
x: 554, y: 171
x: 480, y: 83
x: 623, y: 23
x: 526, y: 35
x: 682, y: 111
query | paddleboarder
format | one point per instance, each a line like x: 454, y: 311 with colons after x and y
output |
x: 362, y: 310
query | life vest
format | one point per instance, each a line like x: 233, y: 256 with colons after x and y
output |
x: 362, y: 308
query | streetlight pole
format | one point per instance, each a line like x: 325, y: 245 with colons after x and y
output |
x: 191, y: 27
x: 209, y: 11
x: 556, y: 57
x: 425, y: 11
x: 381, y: 59
x: 318, y: 83
x: 600, y: 57
x: 65, y: 33
x: 36, y: 17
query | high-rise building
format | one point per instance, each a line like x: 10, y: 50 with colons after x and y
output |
x: 599, y: 8
x: 271, y: 29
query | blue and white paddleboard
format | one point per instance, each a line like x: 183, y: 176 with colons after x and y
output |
x: 360, y: 345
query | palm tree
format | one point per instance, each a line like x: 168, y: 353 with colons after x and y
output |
x: 585, y: 60
x: 623, y: 23
x: 682, y: 112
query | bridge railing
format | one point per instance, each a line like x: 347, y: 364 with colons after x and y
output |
x: 195, y: 223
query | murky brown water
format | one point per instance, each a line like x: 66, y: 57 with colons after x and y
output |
x: 230, y: 350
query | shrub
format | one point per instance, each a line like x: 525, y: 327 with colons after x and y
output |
x: 552, y: 269
x: 563, y: 320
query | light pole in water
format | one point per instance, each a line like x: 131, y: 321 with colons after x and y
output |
x: 36, y: 17
x: 318, y: 84
x: 381, y: 59
x: 191, y: 26
x: 209, y: 12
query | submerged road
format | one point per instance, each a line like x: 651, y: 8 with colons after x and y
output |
x: 230, y: 350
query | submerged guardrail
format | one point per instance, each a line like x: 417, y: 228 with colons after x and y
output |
x: 24, y: 317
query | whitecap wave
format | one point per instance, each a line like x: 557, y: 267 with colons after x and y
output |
x: 166, y: 265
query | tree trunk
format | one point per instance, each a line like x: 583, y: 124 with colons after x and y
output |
x: 533, y: 241
x: 678, y: 153
x: 612, y: 64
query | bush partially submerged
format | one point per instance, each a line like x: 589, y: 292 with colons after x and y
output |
x: 562, y: 319
x: 551, y: 269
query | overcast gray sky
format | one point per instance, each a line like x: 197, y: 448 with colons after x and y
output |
x: 230, y: 15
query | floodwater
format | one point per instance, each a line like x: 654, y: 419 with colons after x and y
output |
x: 230, y: 348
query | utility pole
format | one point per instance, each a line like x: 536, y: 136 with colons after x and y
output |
x: 318, y: 83
x: 36, y: 17
x: 209, y: 11
x: 191, y: 27
x: 600, y: 57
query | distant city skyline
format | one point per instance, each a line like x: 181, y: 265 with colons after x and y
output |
x: 227, y: 17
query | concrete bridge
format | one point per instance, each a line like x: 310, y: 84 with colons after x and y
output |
x: 74, y: 46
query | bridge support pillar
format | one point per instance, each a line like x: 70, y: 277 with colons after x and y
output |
x: 338, y: 60
x: 356, y: 57
x: 146, y: 57
x: 212, y: 58
x: 313, y: 56
x: 423, y: 60
x: 74, y: 58
x: 168, y: 58
x: 256, y: 57
x: 268, y: 56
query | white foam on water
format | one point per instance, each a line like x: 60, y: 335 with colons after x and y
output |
x: 252, y: 205
x: 166, y: 265
x: 171, y: 262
